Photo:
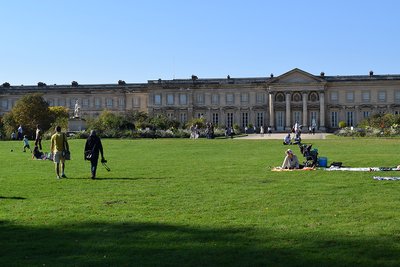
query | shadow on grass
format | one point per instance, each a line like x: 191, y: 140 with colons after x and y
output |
x: 18, y: 198
x: 133, y: 179
x: 120, y: 178
x: 147, y: 244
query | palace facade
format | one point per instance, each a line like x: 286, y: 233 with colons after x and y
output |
x: 280, y: 102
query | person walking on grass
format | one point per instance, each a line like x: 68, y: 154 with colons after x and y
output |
x: 58, y: 144
x: 26, y: 143
x: 93, y: 148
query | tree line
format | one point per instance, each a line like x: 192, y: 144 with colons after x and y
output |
x: 32, y: 109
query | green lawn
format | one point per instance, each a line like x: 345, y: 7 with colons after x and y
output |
x: 175, y: 202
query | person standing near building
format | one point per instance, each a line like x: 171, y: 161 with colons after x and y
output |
x: 93, y: 148
x: 19, y: 132
x: 38, y: 138
x: 58, y: 144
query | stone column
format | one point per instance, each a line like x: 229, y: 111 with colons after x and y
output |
x: 90, y: 103
x: 252, y: 117
x: 237, y: 119
x: 287, y: 122
x: 116, y: 105
x: 271, y: 111
x: 222, y: 119
x: 305, y: 110
x: 322, y: 111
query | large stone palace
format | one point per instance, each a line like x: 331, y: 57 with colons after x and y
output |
x: 295, y: 96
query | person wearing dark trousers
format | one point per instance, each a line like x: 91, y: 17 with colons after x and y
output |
x: 93, y: 148
x: 38, y: 138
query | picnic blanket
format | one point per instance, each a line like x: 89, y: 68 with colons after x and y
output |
x: 280, y: 169
x: 362, y: 169
x: 383, y: 178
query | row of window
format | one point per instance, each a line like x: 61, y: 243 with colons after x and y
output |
x: 229, y: 118
x: 296, y: 97
x: 350, y: 117
x: 365, y: 96
x: 182, y: 98
x: 85, y: 103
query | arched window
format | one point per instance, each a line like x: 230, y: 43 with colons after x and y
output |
x: 313, y: 97
x: 280, y: 97
x: 296, y: 97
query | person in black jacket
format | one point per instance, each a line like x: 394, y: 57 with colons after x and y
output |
x: 93, y: 148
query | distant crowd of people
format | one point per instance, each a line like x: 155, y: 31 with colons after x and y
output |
x: 59, y: 147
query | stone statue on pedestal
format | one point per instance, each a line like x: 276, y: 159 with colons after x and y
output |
x: 77, y: 110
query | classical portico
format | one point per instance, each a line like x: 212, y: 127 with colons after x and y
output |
x: 296, y: 96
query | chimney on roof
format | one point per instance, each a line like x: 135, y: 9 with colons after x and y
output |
x: 272, y: 75
x: 371, y: 73
x: 322, y: 74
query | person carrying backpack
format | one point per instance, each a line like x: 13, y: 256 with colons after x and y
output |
x: 93, y: 148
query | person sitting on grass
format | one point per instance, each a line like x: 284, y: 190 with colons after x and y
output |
x: 291, y: 161
x: 287, y: 140
x: 37, y: 154
x: 297, y: 139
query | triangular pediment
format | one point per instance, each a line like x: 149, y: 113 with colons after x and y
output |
x: 297, y: 76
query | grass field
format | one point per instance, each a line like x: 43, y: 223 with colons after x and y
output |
x: 175, y: 202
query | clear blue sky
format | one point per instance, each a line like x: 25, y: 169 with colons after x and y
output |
x: 96, y: 41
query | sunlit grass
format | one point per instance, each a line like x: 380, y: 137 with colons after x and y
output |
x: 175, y: 202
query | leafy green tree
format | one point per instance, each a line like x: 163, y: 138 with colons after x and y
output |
x: 162, y: 122
x: 9, y: 124
x: 236, y: 128
x: 2, y: 132
x: 380, y: 121
x: 138, y: 119
x: 342, y: 124
x: 58, y: 116
x: 28, y: 111
x: 200, y: 122
x: 108, y: 121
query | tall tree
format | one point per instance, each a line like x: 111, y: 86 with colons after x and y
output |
x: 59, y: 116
x: 1, y: 127
x: 29, y: 111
